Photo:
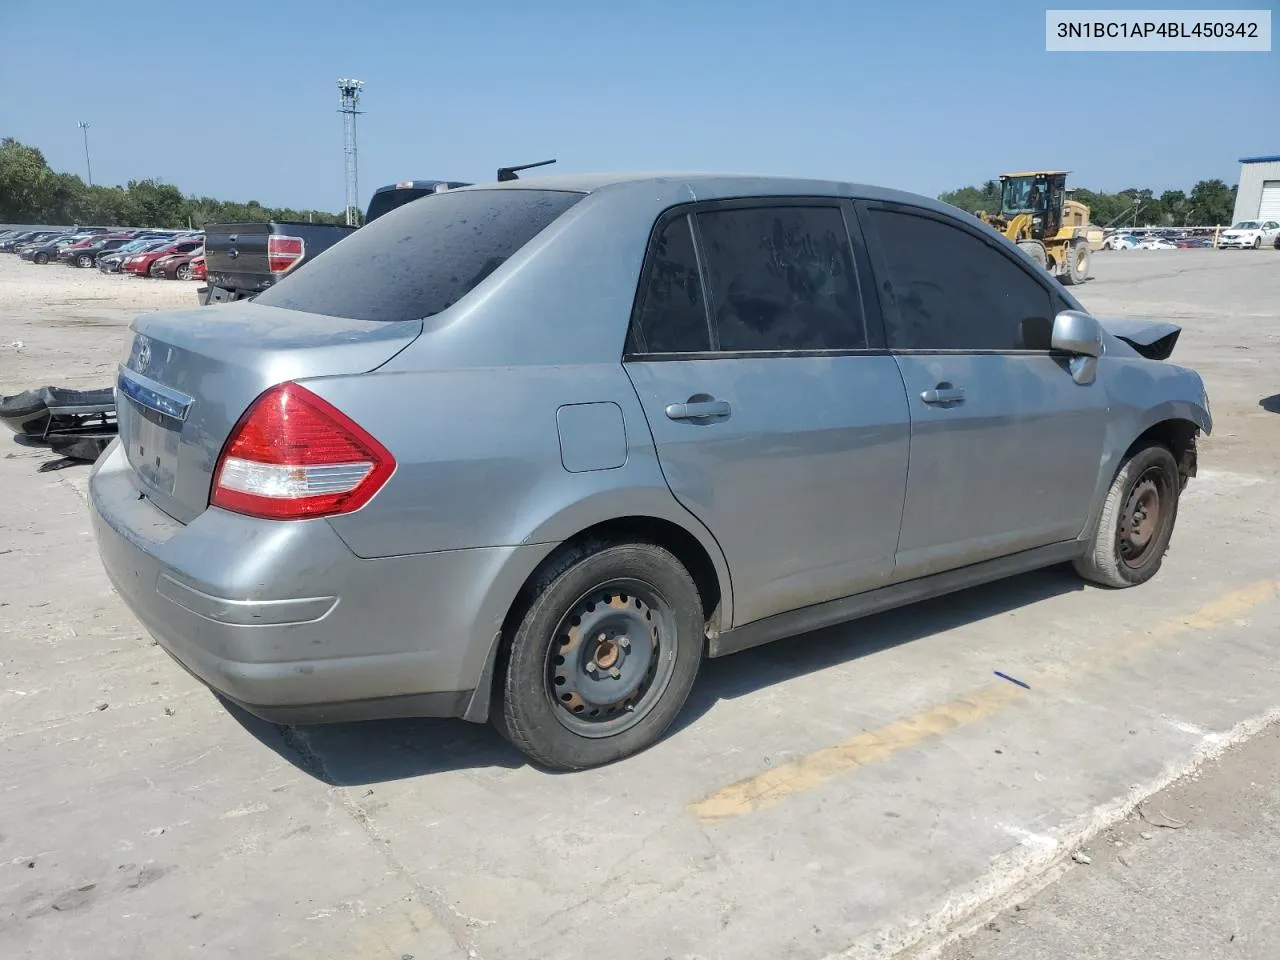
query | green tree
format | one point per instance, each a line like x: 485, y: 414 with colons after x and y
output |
x: 25, y: 182
x: 1212, y: 202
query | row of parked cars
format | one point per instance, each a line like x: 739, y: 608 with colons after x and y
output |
x: 1243, y: 235
x: 166, y: 254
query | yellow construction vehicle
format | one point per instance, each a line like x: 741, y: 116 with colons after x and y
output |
x: 1054, y: 231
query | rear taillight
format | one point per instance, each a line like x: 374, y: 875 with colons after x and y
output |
x: 293, y: 455
x: 283, y: 253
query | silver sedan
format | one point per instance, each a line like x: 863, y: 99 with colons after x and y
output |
x: 530, y: 451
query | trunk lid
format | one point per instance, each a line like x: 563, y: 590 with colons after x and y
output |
x: 190, y: 375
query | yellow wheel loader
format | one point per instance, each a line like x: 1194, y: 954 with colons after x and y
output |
x: 1054, y: 231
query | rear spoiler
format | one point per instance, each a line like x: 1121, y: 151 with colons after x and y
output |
x: 509, y: 173
x: 1154, y: 339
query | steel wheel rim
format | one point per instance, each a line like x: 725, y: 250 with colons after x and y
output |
x: 611, y: 658
x: 1142, y: 519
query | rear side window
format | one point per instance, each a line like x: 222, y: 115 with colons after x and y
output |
x: 956, y: 292
x: 673, y: 315
x: 421, y: 258
x: 782, y: 278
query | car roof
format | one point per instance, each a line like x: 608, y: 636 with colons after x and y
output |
x: 712, y: 186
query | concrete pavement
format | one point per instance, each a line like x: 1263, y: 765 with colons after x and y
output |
x: 850, y: 793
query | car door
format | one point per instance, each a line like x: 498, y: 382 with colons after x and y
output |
x: 1005, y: 445
x: 779, y: 422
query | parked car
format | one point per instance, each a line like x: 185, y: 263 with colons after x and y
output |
x: 48, y: 250
x: 1157, y: 243
x: 140, y: 263
x: 723, y: 464
x: 1120, y: 241
x: 176, y: 266
x: 111, y: 262
x: 1193, y: 243
x: 16, y: 243
x: 1249, y: 234
x: 198, y: 271
x: 243, y: 259
x: 86, y: 254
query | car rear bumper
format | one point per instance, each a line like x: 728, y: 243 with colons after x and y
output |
x: 284, y: 620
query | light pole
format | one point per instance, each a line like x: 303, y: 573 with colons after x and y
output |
x: 84, y: 128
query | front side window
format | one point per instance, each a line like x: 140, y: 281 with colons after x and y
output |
x: 954, y: 291
x: 781, y: 278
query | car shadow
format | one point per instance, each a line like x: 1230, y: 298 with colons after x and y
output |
x: 1270, y: 404
x: 379, y: 751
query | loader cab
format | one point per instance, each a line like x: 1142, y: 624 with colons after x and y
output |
x: 1040, y: 195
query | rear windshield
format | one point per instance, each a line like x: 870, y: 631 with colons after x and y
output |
x: 422, y: 258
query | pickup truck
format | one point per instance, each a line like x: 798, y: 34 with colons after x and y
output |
x: 243, y: 259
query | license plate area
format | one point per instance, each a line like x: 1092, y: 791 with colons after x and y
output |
x: 151, y: 444
x: 150, y: 418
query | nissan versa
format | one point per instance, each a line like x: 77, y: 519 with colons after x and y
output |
x: 529, y: 451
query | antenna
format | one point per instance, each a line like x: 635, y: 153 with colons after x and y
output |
x: 349, y: 98
x: 84, y: 128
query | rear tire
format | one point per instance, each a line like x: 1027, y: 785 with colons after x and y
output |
x: 83, y: 261
x: 1137, y: 520
x: 183, y: 272
x: 41, y: 258
x: 1077, y: 265
x: 604, y: 656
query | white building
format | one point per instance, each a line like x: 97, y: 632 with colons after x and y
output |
x: 1258, y: 196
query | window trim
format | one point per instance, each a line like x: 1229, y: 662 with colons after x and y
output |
x: 882, y: 273
x: 873, y: 325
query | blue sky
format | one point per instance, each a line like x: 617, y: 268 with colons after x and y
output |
x: 238, y: 100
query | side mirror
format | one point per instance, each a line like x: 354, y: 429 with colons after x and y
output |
x: 1080, y: 337
x: 1076, y: 333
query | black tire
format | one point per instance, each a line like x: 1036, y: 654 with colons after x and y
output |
x: 1122, y: 553
x: 84, y: 261
x: 41, y: 258
x: 183, y: 272
x: 655, y: 614
x: 1035, y: 249
x: 1077, y: 266
x: 1257, y: 243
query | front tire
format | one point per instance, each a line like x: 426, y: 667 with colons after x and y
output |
x: 604, y: 657
x: 83, y: 261
x: 1257, y: 243
x: 183, y: 272
x: 1137, y: 521
x: 1077, y: 265
x: 41, y: 258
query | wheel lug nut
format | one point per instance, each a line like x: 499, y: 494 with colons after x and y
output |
x: 604, y: 637
x: 592, y: 666
x: 615, y: 673
x: 624, y: 643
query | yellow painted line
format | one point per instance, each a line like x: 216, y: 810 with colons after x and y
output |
x: 813, y: 770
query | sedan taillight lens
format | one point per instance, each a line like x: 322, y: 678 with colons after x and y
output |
x: 294, y: 455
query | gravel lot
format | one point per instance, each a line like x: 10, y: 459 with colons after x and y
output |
x: 850, y: 793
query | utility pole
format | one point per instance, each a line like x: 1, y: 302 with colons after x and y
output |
x: 84, y: 128
x: 349, y: 98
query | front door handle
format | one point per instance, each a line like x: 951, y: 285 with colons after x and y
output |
x: 943, y: 393
x: 698, y: 409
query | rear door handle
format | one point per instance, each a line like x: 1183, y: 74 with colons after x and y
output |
x: 698, y: 409
x: 943, y: 393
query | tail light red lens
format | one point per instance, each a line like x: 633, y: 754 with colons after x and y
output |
x: 294, y: 455
x: 283, y: 253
